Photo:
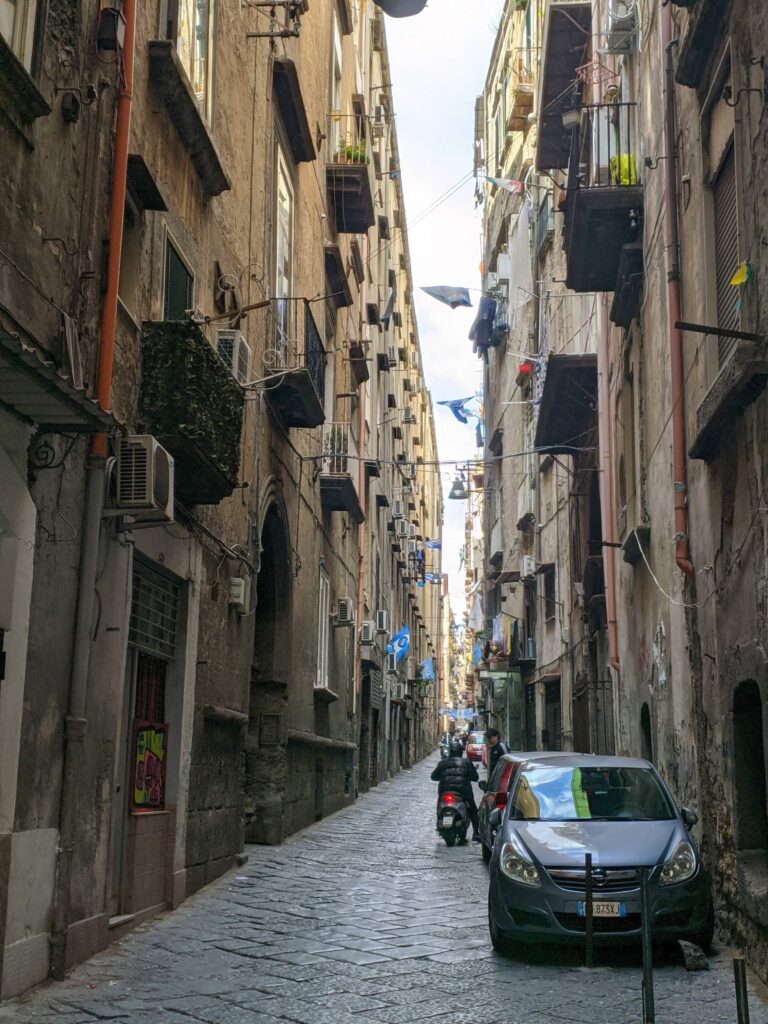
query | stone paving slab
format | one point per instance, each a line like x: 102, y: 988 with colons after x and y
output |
x: 346, y: 925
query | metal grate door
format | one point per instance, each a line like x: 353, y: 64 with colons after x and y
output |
x: 154, y: 612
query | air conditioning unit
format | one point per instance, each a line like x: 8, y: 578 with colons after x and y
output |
x: 527, y: 567
x: 345, y: 612
x: 391, y: 663
x: 392, y: 356
x: 401, y: 528
x: 398, y: 508
x: 491, y: 281
x: 367, y: 633
x: 144, y: 479
x: 621, y: 28
x: 413, y: 547
x: 413, y: 530
x: 415, y: 360
x: 503, y: 267
x: 410, y: 471
x: 382, y: 621
x: 408, y: 416
x: 236, y: 353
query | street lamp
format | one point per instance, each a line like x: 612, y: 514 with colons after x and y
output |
x: 458, y: 491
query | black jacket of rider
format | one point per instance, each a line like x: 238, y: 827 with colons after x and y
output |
x: 455, y: 775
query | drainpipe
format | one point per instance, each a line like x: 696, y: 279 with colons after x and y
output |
x: 672, y: 246
x: 75, y: 722
x: 605, y: 442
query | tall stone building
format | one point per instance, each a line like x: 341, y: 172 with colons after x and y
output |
x: 627, y: 362
x: 218, y: 453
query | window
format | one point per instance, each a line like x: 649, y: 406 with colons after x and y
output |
x: 190, y: 26
x: 283, y: 252
x: 323, y: 624
x: 550, y: 604
x: 334, y: 135
x: 17, y: 27
x: 130, y: 257
x: 726, y: 251
x: 749, y: 768
x: 178, y: 284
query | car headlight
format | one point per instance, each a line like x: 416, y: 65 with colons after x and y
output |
x: 681, y: 865
x: 517, y: 865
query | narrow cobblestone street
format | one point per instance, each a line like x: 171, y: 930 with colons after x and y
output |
x: 364, y: 918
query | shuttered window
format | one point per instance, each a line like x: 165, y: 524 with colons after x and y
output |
x: 154, y: 612
x: 726, y: 251
x: 322, y: 630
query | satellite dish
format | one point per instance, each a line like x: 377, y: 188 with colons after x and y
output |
x: 401, y: 8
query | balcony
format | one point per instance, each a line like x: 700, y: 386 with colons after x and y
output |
x: 172, y: 85
x: 604, y: 204
x: 340, y: 470
x: 192, y: 404
x: 568, y: 406
x: 296, y: 361
x: 567, y: 29
x: 348, y: 173
x: 520, y: 90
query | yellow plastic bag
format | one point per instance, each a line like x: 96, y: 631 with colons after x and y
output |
x: 623, y: 171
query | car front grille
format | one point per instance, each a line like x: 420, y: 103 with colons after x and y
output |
x: 603, y: 879
x: 600, y: 925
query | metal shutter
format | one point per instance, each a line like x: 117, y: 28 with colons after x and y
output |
x: 726, y: 252
x: 154, y: 612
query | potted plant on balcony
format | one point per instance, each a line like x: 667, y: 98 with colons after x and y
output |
x: 357, y: 152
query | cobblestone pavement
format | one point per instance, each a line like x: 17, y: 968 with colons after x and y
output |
x: 365, y: 918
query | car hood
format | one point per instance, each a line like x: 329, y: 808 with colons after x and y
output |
x: 611, y: 843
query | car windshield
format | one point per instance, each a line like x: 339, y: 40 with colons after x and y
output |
x: 549, y: 793
x: 477, y: 738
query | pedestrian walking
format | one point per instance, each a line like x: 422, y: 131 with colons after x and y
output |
x: 496, y: 748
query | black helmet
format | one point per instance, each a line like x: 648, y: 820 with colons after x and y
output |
x: 456, y: 749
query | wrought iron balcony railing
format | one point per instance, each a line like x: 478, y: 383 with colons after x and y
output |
x: 296, y: 358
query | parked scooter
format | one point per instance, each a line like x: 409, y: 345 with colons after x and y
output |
x: 452, y: 818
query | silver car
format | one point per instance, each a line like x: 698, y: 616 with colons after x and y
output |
x: 618, y: 810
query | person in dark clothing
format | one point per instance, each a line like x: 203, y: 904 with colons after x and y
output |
x: 455, y: 774
x: 496, y: 748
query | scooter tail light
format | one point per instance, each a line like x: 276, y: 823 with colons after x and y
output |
x: 448, y: 798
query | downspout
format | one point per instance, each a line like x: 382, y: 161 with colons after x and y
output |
x: 672, y: 246
x: 75, y: 722
x: 605, y: 443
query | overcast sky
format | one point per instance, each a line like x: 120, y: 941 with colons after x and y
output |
x: 439, y: 60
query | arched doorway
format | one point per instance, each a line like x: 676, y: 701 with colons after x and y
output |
x: 749, y: 767
x: 265, y: 747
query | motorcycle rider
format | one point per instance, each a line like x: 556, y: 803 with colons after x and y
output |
x: 455, y: 774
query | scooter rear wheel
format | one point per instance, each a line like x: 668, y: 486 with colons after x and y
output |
x: 449, y: 837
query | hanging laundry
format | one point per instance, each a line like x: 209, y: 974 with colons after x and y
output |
x: 743, y: 274
x: 453, y: 297
x: 517, y: 188
x: 481, y: 330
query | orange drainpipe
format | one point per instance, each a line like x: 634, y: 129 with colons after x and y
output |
x: 672, y: 246
x: 116, y: 218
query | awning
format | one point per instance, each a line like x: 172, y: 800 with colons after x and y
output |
x: 568, y: 401
x: 292, y: 109
x: 567, y: 38
x: 33, y: 388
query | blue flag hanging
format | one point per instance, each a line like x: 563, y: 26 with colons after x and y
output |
x: 400, y: 643
x: 433, y: 544
x: 456, y: 405
x: 453, y: 297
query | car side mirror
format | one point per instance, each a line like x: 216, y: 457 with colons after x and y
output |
x: 483, y: 785
x: 689, y: 816
x: 494, y: 818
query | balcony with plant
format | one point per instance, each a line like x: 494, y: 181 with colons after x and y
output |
x: 348, y: 171
x: 340, y: 471
x: 192, y: 404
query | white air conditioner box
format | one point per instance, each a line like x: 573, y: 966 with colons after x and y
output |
x: 236, y: 353
x: 413, y: 530
x: 401, y: 528
x: 413, y: 547
x: 391, y: 663
x: 621, y: 27
x: 398, y: 508
x: 415, y: 360
x: 382, y: 621
x: 367, y: 633
x: 408, y: 416
x: 144, y: 478
x: 527, y: 567
x: 503, y: 267
x: 345, y: 612
x: 491, y: 281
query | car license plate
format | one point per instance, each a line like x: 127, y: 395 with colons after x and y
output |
x: 600, y: 909
x: 447, y: 820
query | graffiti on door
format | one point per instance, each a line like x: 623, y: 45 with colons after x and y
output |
x: 150, y: 744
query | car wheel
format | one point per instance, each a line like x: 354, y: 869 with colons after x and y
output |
x: 499, y: 939
x: 486, y: 853
x: 450, y: 838
x: 706, y: 934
